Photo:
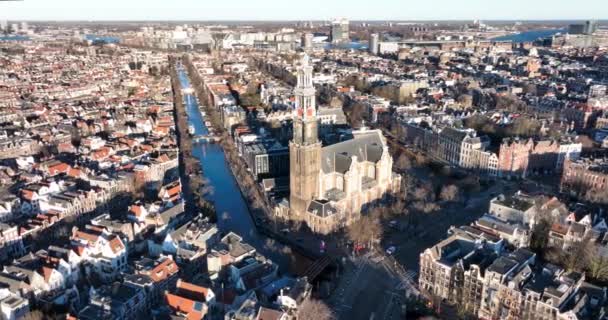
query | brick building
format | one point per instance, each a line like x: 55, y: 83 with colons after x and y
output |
x: 513, y: 158
x: 585, y: 176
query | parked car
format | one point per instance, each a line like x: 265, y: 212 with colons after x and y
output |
x: 393, y: 224
x: 391, y: 250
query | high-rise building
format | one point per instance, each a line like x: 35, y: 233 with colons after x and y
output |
x: 24, y: 27
x: 590, y: 27
x: 339, y: 31
x: 3, y: 25
x: 587, y: 28
x: 374, y: 40
x: 307, y: 41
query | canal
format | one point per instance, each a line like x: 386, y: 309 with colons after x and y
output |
x: 232, y: 211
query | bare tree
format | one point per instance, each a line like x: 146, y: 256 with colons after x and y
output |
x: 577, y: 257
x: 598, y: 268
x: 404, y: 163
x: 357, y: 115
x: 366, y: 230
x: 421, y: 159
x: 422, y: 193
x: 540, y: 236
x: 465, y: 100
x: 34, y: 315
x: 312, y: 309
x: 408, y: 184
x: 399, y: 207
x: 449, y: 193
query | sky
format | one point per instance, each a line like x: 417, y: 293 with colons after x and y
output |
x: 303, y: 9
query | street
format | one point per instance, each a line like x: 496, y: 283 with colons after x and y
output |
x: 371, y: 288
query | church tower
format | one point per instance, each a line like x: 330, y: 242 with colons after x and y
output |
x: 305, y: 148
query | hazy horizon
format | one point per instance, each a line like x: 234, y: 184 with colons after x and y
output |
x: 316, y: 10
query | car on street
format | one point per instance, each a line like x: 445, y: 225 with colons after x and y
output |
x: 390, y: 250
x: 393, y: 224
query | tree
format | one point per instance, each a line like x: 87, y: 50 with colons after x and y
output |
x: 476, y: 122
x: 131, y: 92
x: 399, y: 207
x: 408, y: 184
x: 466, y: 100
x: 509, y: 102
x: 577, y: 257
x: 594, y: 195
x: 357, y: 115
x: 449, y: 193
x: 250, y: 100
x: 465, y: 314
x: 422, y: 193
x: 531, y: 89
x: 421, y: 159
x: 312, y: 309
x: 598, y: 268
x: 540, y: 236
x: 366, y: 230
x: 336, y: 102
x: 403, y: 162
x: 35, y: 315
x: 426, y: 207
x: 524, y: 126
x: 470, y: 184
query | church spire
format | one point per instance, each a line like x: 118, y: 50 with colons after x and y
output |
x: 305, y: 91
x: 305, y: 148
x: 305, y: 119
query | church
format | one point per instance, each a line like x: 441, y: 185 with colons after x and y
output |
x: 331, y: 185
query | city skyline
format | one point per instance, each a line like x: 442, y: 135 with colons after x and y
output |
x: 275, y: 10
x: 292, y: 160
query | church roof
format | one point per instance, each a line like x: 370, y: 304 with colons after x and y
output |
x: 366, y: 146
x: 321, y: 208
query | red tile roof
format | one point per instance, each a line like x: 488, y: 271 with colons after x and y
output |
x: 136, y: 210
x: 192, y: 290
x: 164, y: 270
x: 27, y: 194
x: 116, y: 244
x: 559, y: 228
x: 89, y: 237
x: 194, y: 310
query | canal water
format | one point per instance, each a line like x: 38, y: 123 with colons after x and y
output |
x: 104, y: 39
x: 232, y: 211
x: 529, y: 36
x: 14, y: 38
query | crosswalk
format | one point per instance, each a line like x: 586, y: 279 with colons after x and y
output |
x: 407, y: 280
x: 346, y: 286
x: 404, y: 281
